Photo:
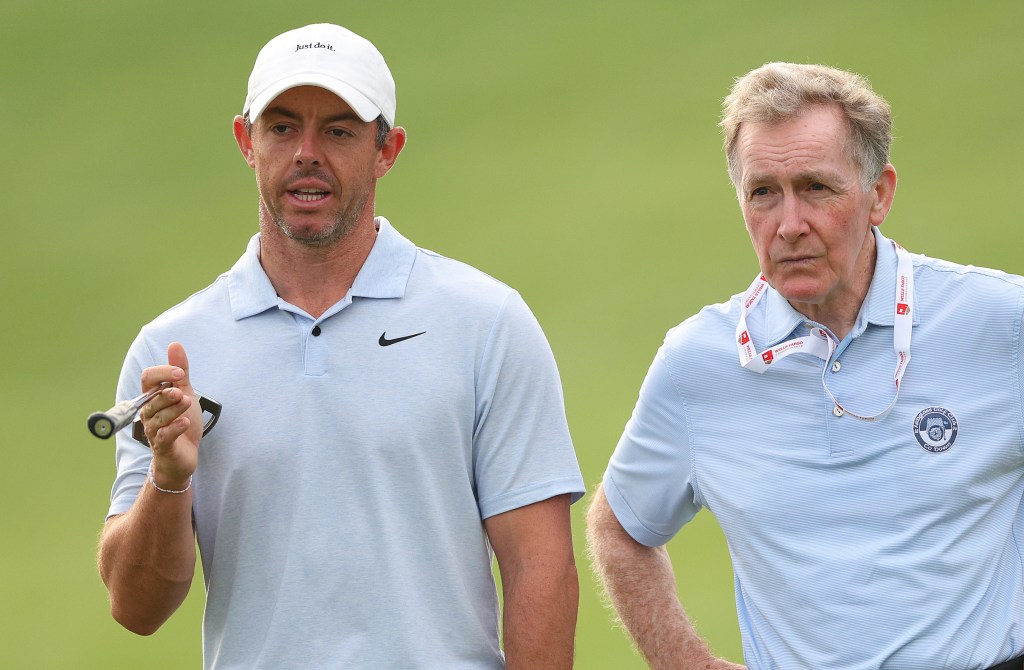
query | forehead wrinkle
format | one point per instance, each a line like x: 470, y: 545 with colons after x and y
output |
x: 798, y: 161
x: 793, y: 150
x: 801, y: 147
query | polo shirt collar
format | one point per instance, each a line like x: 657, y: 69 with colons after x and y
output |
x: 781, y: 320
x: 880, y: 306
x: 249, y: 287
x: 385, y: 273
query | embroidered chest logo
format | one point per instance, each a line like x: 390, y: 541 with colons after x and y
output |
x: 385, y: 342
x: 935, y: 429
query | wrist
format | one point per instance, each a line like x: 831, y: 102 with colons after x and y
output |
x: 168, y: 485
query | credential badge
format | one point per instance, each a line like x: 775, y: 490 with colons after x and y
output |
x: 935, y: 428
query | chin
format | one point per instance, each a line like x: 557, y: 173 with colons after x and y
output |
x: 313, y: 236
x: 794, y: 292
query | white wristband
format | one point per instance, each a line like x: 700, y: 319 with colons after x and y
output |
x: 157, y: 487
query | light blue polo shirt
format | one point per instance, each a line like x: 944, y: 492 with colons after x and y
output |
x: 856, y: 545
x: 339, y: 501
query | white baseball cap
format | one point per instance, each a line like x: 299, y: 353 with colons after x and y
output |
x: 327, y: 56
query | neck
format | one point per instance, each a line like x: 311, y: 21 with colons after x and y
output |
x: 839, y: 320
x: 314, y: 278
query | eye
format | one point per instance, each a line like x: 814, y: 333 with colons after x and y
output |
x: 279, y: 128
x: 339, y: 132
x: 818, y: 186
x: 759, y: 192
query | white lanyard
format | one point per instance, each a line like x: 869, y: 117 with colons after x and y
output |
x: 821, y: 344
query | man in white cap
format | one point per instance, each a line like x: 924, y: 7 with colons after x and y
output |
x: 392, y: 419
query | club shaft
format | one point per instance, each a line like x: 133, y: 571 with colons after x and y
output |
x: 105, y: 424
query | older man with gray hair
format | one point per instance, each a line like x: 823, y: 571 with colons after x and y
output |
x: 853, y: 419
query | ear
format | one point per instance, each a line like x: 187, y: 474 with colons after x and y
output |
x: 244, y: 140
x: 388, y: 154
x: 884, y: 190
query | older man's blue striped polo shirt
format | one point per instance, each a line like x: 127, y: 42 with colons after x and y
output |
x: 856, y: 545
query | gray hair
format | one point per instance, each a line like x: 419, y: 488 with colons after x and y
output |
x: 777, y: 92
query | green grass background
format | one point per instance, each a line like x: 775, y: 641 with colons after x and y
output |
x: 569, y: 149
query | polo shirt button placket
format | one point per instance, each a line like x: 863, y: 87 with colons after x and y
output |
x: 315, y: 354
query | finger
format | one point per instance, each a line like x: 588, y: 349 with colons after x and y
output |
x: 158, y: 374
x: 177, y: 358
x: 166, y: 407
x: 173, y: 417
x: 161, y: 438
x: 167, y: 397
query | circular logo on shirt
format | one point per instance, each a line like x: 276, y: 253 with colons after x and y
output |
x: 935, y: 428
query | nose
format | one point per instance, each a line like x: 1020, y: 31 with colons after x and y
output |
x: 793, y: 223
x: 308, y: 151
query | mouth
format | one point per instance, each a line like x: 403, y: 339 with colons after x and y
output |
x: 309, y: 194
x: 795, y: 260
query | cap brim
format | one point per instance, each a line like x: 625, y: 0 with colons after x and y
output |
x: 360, y: 104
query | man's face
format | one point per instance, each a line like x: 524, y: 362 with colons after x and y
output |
x: 316, y: 166
x: 808, y: 217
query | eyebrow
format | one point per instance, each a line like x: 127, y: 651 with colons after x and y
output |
x: 827, y: 176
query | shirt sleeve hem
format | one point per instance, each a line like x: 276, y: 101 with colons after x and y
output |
x: 531, y: 494
x: 629, y: 521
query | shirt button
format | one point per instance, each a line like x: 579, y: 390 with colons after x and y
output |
x: 837, y: 366
x: 837, y: 410
x: 316, y: 331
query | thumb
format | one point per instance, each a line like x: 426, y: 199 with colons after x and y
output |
x: 176, y: 357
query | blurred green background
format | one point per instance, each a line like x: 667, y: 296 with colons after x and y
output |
x: 568, y: 149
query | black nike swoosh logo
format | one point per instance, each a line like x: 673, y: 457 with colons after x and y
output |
x: 385, y: 342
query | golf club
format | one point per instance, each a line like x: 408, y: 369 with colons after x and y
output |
x: 105, y: 424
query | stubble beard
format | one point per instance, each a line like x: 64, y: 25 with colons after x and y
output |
x: 343, y: 223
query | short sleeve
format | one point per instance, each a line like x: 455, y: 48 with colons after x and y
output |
x: 648, y: 482
x: 522, y: 450
x: 132, y: 458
